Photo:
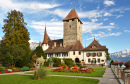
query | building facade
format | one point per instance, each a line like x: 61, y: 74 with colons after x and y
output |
x: 71, y: 44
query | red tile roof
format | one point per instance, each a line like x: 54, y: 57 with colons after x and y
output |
x: 72, y: 15
x: 77, y: 47
x: 98, y: 47
x: 46, y: 37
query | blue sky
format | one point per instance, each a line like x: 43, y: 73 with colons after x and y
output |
x: 108, y: 20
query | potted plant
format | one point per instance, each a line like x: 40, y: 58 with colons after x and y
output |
x: 99, y: 55
x: 93, y: 56
x: 127, y: 64
x: 102, y: 60
x: 88, y: 56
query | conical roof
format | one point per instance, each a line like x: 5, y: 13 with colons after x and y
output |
x: 72, y: 15
x: 46, y: 37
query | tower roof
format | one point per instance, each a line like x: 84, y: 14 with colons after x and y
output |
x: 78, y: 46
x: 46, y: 37
x: 72, y: 15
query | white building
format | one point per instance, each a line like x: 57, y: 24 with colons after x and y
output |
x: 71, y: 45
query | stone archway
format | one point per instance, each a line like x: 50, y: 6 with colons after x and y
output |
x: 76, y: 60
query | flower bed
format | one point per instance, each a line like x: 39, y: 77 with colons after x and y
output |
x: 75, y: 69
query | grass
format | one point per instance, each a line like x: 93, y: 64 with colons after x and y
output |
x: 27, y: 79
x: 98, y: 73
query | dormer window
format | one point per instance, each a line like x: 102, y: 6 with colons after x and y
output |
x: 70, y: 26
x: 93, y: 46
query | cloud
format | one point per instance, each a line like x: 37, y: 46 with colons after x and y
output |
x: 105, y: 19
x: 94, y: 20
x: 112, y: 23
x: 107, y: 14
x: 103, y: 34
x: 54, y: 28
x: 126, y: 30
x: 90, y: 26
x: 54, y: 19
x: 24, y: 6
x: 119, y: 16
x: 109, y: 3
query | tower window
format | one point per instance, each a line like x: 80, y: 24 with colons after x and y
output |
x: 70, y: 26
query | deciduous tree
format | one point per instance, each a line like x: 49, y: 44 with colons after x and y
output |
x: 15, y: 29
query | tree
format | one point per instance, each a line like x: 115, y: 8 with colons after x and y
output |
x: 111, y: 62
x: 15, y: 29
x: 39, y: 52
x: 25, y: 59
x: 33, y: 60
x: 108, y: 57
x: 11, y: 54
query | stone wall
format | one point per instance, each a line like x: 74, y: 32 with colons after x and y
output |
x: 72, y: 32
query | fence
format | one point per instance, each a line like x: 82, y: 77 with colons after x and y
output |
x: 122, y: 76
x: 128, y: 76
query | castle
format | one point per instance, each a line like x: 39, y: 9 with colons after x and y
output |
x: 71, y: 44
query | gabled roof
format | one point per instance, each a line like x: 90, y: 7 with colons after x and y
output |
x: 58, y: 42
x: 77, y: 47
x: 72, y: 15
x: 59, y: 49
x: 46, y: 37
x: 95, y: 46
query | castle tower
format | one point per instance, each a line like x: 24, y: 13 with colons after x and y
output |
x: 72, y: 28
x: 45, y: 41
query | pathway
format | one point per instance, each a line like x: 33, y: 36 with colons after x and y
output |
x: 109, y: 78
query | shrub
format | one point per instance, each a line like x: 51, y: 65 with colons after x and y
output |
x: 78, y: 64
x: 2, y: 68
x: 68, y: 61
x: 56, y: 62
x: 46, y: 63
x: 40, y: 73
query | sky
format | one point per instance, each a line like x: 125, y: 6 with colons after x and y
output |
x: 107, y: 20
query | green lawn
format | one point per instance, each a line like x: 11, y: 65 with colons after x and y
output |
x: 98, y: 73
x: 27, y: 79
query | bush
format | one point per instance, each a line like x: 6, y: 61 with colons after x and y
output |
x: 68, y: 61
x: 40, y: 73
x: 46, y: 63
x: 56, y: 62
x: 2, y: 68
x: 78, y: 64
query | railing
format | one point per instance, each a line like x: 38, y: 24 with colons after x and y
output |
x: 128, y: 76
x: 117, y: 71
x: 122, y: 76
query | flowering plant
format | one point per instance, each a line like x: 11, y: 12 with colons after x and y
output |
x: 127, y: 64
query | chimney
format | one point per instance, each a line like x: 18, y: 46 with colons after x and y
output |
x: 54, y: 44
x: 60, y: 44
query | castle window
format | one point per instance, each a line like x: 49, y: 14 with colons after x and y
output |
x: 70, y: 26
x: 79, y: 52
x: 89, y: 60
x: 73, y: 52
x: 99, y: 60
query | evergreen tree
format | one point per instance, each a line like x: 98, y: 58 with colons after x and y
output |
x: 15, y: 29
x: 108, y: 57
x: 39, y: 52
